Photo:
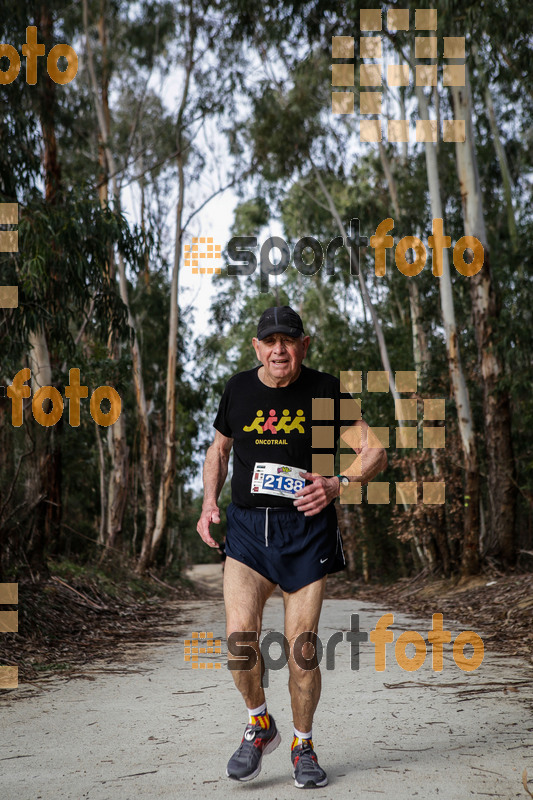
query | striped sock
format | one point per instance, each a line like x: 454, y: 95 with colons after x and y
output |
x: 259, y: 716
x: 300, y: 737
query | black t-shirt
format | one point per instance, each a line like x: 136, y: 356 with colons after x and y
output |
x: 275, y: 425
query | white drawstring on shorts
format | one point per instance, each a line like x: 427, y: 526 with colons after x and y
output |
x: 266, y: 523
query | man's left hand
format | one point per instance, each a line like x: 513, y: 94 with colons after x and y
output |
x: 315, y: 497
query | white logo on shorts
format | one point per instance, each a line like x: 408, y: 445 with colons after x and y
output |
x: 322, y: 560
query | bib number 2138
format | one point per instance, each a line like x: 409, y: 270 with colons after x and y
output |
x: 282, y: 482
x: 276, y: 479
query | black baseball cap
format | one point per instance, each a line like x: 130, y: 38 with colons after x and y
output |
x: 279, y: 319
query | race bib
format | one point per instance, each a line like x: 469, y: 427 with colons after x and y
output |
x: 277, y: 479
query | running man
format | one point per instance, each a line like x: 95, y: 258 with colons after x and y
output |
x: 282, y: 523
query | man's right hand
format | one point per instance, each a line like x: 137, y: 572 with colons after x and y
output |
x: 209, y: 514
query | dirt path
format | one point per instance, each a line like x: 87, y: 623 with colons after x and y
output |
x: 153, y: 727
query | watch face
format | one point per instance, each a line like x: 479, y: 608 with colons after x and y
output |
x: 344, y: 480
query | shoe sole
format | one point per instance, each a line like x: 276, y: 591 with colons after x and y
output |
x: 309, y: 784
x: 269, y: 748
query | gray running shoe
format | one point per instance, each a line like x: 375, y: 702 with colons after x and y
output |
x: 306, y: 772
x: 245, y: 763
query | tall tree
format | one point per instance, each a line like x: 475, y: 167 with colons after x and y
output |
x: 152, y: 542
x: 485, y: 311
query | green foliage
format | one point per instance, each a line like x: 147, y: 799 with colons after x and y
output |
x: 288, y: 136
x: 266, y: 85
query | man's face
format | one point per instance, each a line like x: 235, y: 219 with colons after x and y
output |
x: 281, y: 356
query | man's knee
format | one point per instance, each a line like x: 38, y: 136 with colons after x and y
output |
x: 242, y: 623
x: 305, y: 654
x: 243, y: 643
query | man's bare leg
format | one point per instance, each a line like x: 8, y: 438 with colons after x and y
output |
x: 245, y: 595
x: 302, y: 613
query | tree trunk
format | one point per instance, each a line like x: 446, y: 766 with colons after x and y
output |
x: 348, y: 538
x: 169, y: 465
x: 420, y: 353
x: 103, y: 188
x: 504, y: 168
x: 47, y: 477
x: 420, y: 345
x: 486, y: 309
x: 401, y: 559
x: 103, y: 499
x: 364, y: 543
x: 47, y: 110
x: 39, y: 360
x: 470, y: 556
x: 118, y: 484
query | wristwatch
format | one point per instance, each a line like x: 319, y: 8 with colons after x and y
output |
x: 343, y: 481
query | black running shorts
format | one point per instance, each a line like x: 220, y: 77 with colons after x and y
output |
x: 285, y: 546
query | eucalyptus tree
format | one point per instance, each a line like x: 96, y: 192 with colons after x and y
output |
x: 151, y: 139
x: 288, y: 131
x: 60, y: 268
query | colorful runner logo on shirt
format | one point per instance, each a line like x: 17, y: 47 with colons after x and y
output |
x: 285, y: 424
